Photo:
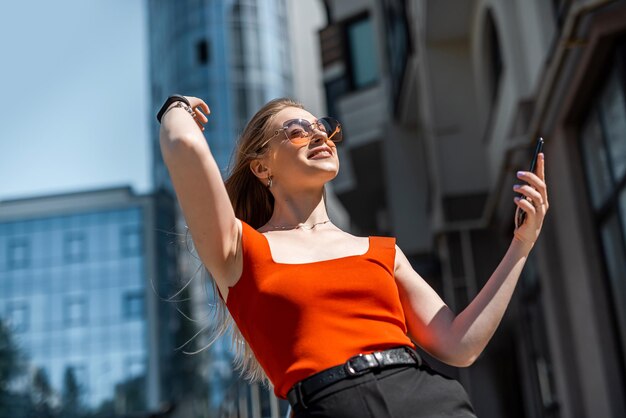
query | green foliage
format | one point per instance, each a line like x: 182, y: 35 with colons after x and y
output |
x: 41, y: 394
x: 72, y: 393
x: 10, y: 368
x: 9, y: 357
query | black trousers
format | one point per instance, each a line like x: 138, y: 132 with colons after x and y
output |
x: 401, y: 392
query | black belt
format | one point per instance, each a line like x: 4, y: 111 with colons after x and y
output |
x: 355, y: 366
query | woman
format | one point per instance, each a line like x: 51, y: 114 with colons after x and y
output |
x: 330, y: 317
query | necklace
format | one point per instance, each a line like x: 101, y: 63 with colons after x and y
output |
x: 303, y: 226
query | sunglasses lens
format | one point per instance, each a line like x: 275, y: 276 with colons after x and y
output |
x: 299, y: 130
x: 332, y: 128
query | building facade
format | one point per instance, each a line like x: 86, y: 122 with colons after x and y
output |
x: 481, y: 81
x: 81, y: 279
x: 233, y: 54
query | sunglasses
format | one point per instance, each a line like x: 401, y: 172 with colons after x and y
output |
x: 300, y: 131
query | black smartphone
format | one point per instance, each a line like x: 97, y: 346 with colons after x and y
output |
x: 520, y: 214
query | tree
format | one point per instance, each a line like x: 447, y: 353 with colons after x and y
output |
x: 10, y: 367
x: 41, y: 394
x: 72, y: 392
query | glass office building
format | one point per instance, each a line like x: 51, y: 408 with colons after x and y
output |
x: 79, y: 304
x: 234, y: 54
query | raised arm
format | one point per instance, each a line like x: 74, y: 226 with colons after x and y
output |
x: 459, y: 339
x: 201, y: 192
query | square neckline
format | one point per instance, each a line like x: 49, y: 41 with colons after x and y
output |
x: 271, y: 256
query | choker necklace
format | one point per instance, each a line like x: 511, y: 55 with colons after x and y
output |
x: 303, y: 226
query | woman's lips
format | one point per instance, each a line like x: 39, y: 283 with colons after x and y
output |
x: 321, y: 152
x: 320, y: 155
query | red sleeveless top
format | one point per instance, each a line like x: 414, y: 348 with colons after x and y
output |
x: 300, y: 319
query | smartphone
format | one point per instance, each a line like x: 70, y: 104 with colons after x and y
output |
x: 520, y: 215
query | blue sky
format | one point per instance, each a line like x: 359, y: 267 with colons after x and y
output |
x: 74, y: 96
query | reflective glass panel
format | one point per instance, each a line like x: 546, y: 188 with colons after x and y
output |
x: 362, y: 53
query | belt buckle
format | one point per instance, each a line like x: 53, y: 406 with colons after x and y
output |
x: 350, y: 370
x: 414, y: 355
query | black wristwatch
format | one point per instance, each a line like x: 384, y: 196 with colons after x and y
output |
x: 173, y: 98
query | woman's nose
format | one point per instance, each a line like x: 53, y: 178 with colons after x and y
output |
x: 318, y: 136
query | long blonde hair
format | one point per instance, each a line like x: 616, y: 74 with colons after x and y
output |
x: 253, y: 204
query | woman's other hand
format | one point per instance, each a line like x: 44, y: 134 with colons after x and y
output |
x: 535, y: 205
x: 201, y: 110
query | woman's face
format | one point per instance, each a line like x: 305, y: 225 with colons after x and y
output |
x: 307, y: 161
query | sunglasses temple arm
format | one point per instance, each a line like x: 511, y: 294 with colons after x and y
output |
x: 334, y: 133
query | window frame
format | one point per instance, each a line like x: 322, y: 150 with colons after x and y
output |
x: 14, y: 263
x: 68, y: 318
x: 14, y: 306
x: 610, y: 207
x: 364, y: 16
x: 127, y: 312
x: 68, y: 238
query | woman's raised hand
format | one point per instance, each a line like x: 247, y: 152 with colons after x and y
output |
x: 201, y: 110
x: 535, y: 205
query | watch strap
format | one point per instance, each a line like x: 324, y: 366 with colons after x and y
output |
x: 172, y: 99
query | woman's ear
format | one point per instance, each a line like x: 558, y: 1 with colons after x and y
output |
x: 259, y: 169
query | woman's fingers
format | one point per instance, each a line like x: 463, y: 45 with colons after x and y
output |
x: 526, y: 206
x: 204, y: 107
x: 198, y: 105
x: 534, y: 180
x: 200, y: 116
x: 528, y: 191
x: 199, y: 108
x: 538, y: 179
x: 534, y: 201
x: 531, y: 178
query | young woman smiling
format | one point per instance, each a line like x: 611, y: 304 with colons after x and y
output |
x: 330, y: 319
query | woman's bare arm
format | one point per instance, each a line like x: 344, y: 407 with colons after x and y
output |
x: 459, y: 339
x: 201, y: 192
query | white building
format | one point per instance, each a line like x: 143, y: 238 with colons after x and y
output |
x: 433, y: 162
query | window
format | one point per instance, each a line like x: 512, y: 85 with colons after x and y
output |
x: 595, y: 160
x: 130, y: 241
x: 74, y: 247
x: 238, y: 50
x: 398, y: 41
x: 242, y: 104
x: 135, y: 366
x: 202, y: 52
x: 603, y: 150
x: 560, y: 9
x: 75, y: 311
x: 18, y: 253
x: 18, y: 316
x: 132, y: 305
x: 334, y: 90
x: 494, y: 57
x: 363, y: 59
